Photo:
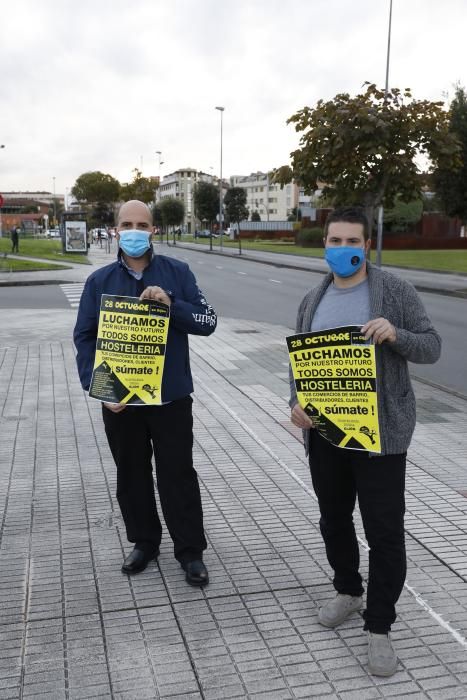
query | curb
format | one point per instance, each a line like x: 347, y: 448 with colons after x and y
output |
x: 34, y: 283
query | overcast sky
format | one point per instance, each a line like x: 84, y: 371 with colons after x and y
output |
x: 104, y: 84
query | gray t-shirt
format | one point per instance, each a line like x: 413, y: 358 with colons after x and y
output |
x: 349, y: 306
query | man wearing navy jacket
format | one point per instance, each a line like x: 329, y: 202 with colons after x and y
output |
x: 134, y: 433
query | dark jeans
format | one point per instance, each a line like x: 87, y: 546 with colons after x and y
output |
x: 339, y: 476
x: 167, y: 431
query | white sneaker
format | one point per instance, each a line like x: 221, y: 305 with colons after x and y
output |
x: 338, y: 609
x: 382, y: 658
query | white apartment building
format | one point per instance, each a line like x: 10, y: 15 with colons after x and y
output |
x: 267, y: 198
x: 181, y: 184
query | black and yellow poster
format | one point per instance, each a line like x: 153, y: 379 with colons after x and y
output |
x: 130, y: 351
x: 335, y: 379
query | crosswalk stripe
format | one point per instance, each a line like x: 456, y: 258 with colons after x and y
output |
x: 73, y: 293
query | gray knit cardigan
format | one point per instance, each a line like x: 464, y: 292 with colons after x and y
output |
x: 417, y: 341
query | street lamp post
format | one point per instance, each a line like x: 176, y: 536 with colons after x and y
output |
x: 221, y: 230
x: 55, y: 206
x: 161, y: 162
x: 156, y: 196
x: 379, y: 232
x: 2, y: 145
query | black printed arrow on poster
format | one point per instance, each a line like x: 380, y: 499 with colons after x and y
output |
x: 106, y: 386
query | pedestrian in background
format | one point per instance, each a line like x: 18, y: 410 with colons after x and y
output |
x: 135, y: 433
x: 15, y: 240
x: 392, y: 316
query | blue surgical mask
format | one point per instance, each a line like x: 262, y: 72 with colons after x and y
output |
x: 134, y: 243
x: 344, y: 260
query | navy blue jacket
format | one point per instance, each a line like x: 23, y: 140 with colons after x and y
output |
x: 189, y: 313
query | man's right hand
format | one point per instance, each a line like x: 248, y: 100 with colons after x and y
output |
x: 115, y: 407
x: 300, y: 418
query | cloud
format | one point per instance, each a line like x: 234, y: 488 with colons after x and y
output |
x: 104, y: 85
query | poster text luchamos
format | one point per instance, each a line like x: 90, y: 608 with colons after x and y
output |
x: 130, y: 350
x: 335, y: 380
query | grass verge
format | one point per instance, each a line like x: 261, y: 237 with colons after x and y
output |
x: 43, y: 248
x: 11, y: 265
x: 438, y: 260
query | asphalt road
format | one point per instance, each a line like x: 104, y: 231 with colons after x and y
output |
x: 243, y: 289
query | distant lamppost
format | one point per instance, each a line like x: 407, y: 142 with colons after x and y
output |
x: 2, y: 145
x: 379, y: 232
x: 161, y: 162
x: 55, y: 205
x: 221, y: 230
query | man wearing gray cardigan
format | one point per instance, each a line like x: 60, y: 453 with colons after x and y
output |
x: 392, y: 316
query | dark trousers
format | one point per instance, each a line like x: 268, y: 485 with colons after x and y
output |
x: 167, y: 431
x: 339, y: 476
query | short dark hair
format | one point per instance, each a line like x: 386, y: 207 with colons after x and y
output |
x: 351, y: 215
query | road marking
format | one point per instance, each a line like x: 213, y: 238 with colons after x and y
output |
x: 200, y: 262
x: 219, y: 267
x: 73, y: 293
x: 418, y: 598
x: 241, y: 273
x: 276, y: 281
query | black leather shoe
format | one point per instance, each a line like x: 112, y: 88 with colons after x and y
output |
x: 138, y: 560
x: 196, y: 572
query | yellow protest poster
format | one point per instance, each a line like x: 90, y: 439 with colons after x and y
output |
x: 130, y: 351
x: 335, y: 379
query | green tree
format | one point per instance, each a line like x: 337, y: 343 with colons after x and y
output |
x: 102, y: 214
x: 95, y: 187
x: 142, y: 188
x: 235, y: 204
x: 172, y: 210
x: 157, y: 215
x: 295, y: 214
x: 235, y: 208
x: 432, y: 204
x: 206, y: 197
x: 255, y: 216
x: 451, y: 185
x: 364, y: 147
x: 402, y: 216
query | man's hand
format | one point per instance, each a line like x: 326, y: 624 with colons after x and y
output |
x: 156, y: 294
x: 300, y: 418
x: 115, y: 407
x: 380, y: 330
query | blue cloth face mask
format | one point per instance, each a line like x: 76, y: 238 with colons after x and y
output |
x: 134, y: 243
x: 344, y: 260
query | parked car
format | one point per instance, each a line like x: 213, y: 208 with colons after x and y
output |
x: 206, y: 234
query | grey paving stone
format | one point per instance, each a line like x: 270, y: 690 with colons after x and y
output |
x: 253, y: 631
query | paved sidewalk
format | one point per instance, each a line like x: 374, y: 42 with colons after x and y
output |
x: 73, y: 627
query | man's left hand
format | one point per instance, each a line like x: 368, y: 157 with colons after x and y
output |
x: 380, y: 330
x: 156, y: 294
